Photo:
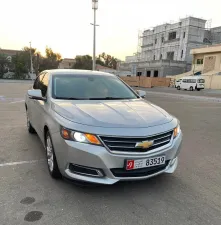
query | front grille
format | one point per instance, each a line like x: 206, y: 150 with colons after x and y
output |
x: 120, y: 172
x: 127, y: 144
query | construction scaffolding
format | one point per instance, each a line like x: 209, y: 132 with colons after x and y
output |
x: 173, y: 49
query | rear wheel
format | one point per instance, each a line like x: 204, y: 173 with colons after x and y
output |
x: 191, y: 88
x: 51, y: 158
x: 178, y: 87
x: 29, y: 126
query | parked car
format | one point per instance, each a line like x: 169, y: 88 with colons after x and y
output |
x: 95, y: 128
x: 191, y: 83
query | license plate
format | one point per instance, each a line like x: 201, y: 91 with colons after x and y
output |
x: 143, y: 163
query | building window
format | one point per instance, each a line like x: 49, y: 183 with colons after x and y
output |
x: 170, y: 55
x: 155, y: 73
x: 199, y: 61
x: 181, y: 54
x: 154, y: 57
x: 184, y: 34
x: 162, y: 39
x: 155, y: 41
x: 161, y: 56
x: 172, y: 36
x: 139, y: 74
x: 148, y: 73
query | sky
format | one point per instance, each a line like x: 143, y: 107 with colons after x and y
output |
x: 65, y: 25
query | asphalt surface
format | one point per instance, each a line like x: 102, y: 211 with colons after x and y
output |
x: 190, y: 196
x: 172, y: 90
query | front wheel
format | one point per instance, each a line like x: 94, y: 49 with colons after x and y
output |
x: 51, y: 158
x: 178, y: 87
x: 191, y: 88
x: 198, y: 89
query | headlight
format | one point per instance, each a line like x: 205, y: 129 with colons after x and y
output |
x: 79, y: 137
x: 176, y: 131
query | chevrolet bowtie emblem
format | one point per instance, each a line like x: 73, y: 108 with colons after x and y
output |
x: 144, y: 144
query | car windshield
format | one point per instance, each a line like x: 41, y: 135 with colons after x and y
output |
x: 201, y: 81
x: 93, y: 87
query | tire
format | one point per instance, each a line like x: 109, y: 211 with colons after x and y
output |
x: 198, y: 89
x: 31, y: 129
x: 191, y: 88
x: 51, y: 158
x: 178, y: 87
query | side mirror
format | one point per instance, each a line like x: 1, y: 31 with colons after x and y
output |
x: 141, y: 93
x: 36, y: 94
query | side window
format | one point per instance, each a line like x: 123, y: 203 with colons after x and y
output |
x: 37, y: 81
x: 184, y: 80
x: 44, y: 84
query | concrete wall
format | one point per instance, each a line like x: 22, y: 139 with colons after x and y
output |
x: 66, y: 64
x: 212, y: 82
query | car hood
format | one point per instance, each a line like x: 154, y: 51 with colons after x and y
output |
x: 125, y: 113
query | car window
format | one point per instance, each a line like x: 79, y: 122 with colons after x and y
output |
x: 90, y: 87
x: 43, y: 84
x: 37, y: 81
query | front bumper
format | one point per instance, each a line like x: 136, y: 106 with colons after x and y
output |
x: 69, y: 152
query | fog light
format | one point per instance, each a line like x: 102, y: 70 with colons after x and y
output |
x: 86, y: 171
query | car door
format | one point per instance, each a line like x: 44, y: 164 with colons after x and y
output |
x: 35, y: 103
x: 31, y: 102
x: 42, y: 106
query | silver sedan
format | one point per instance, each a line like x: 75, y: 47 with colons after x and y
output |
x: 96, y: 129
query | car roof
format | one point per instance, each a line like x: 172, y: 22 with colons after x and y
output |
x: 77, y: 72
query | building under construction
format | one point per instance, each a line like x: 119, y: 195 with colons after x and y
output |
x: 165, y: 49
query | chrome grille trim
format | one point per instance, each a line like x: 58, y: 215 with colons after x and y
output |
x: 122, y: 144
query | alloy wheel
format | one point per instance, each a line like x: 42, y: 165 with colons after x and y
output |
x: 50, y: 155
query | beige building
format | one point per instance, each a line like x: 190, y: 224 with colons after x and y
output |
x: 66, y: 63
x: 206, y: 62
x: 207, y: 59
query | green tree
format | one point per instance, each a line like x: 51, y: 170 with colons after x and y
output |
x: 51, y: 61
x: 108, y: 60
x: 83, y: 62
x: 20, y: 65
x: 4, y: 64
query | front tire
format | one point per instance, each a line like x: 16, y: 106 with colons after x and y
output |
x: 178, y: 87
x: 191, y: 88
x: 51, y: 158
x: 198, y: 89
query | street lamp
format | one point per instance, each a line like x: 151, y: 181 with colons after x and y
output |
x: 94, y: 7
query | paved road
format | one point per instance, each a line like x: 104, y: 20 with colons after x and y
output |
x: 170, y: 90
x: 191, y: 196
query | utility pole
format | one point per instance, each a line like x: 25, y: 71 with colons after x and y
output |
x: 31, y: 61
x: 94, y: 7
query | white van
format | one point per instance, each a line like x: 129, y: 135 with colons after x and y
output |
x: 178, y: 82
x: 191, y: 83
